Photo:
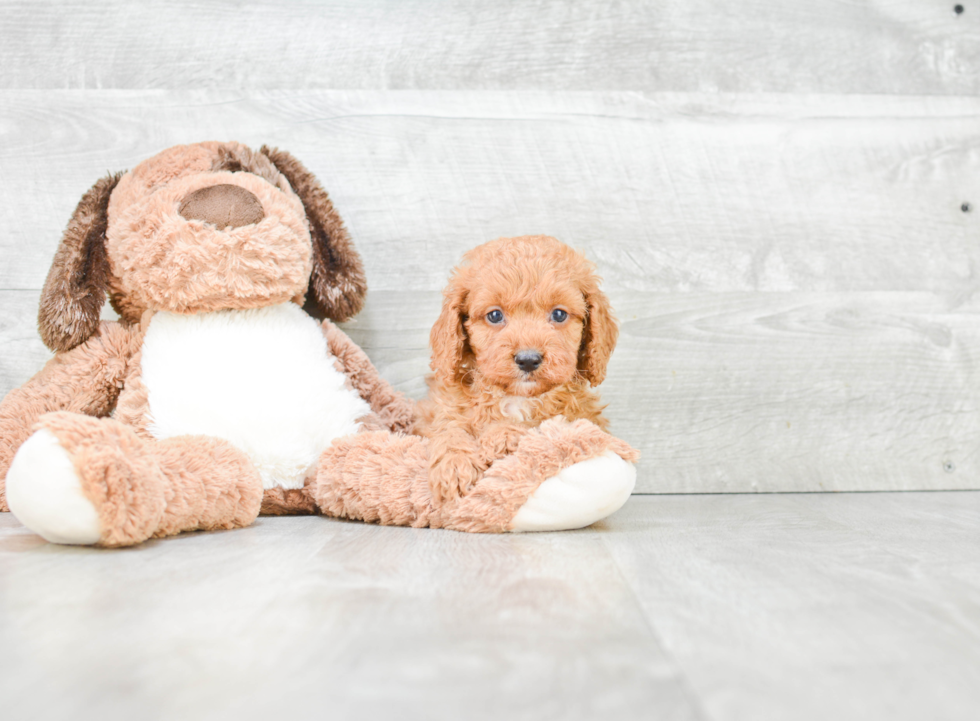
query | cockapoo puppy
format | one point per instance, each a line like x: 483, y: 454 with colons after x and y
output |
x: 523, y: 334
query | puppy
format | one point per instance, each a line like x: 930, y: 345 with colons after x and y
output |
x: 523, y: 333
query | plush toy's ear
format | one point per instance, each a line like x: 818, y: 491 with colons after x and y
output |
x: 75, y: 289
x: 598, y: 336
x: 448, y: 336
x: 337, y: 284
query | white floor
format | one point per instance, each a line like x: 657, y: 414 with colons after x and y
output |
x: 794, y: 606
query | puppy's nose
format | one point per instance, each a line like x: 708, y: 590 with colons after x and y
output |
x: 527, y: 360
x: 223, y: 205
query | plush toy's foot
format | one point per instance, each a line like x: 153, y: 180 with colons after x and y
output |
x: 578, y: 496
x: 562, y: 476
x: 82, y: 480
x: 45, y: 493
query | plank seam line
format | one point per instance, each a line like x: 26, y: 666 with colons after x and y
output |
x: 682, y: 678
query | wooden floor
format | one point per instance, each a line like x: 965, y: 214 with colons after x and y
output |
x: 776, y: 606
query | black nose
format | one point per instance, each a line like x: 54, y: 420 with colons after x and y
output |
x: 527, y: 360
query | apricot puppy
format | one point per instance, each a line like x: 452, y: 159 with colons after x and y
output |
x: 523, y: 333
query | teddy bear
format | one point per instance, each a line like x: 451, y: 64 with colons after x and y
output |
x: 226, y: 390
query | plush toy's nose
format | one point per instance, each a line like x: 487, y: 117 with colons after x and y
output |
x: 223, y: 206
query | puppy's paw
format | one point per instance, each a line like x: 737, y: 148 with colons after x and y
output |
x: 452, y: 474
x: 500, y: 440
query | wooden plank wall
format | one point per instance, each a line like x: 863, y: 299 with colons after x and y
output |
x: 783, y: 198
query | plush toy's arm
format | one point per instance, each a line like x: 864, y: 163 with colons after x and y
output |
x: 396, y: 411
x: 562, y: 475
x: 86, y: 379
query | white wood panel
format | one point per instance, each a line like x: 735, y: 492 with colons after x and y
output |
x: 22, y: 354
x: 814, y: 392
x: 869, y: 46
x: 667, y: 193
x: 795, y: 274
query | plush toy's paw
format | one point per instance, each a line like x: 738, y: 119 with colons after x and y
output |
x: 45, y: 493
x: 380, y: 477
x: 578, y: 496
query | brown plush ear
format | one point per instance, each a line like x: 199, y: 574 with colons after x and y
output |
x: 448, y: 336
x: 75, y: 289
x: 337, y: 284
x: 598, y: 336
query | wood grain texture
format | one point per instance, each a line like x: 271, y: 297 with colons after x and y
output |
x: 812, y: 607
x: 872, y: 46
x: 22, y: 354
x: 667, y: 193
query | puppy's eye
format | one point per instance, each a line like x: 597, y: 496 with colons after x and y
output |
x: 495, y: 316
x: 559, y: 316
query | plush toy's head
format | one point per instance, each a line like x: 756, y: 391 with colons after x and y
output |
x: 198, y: 228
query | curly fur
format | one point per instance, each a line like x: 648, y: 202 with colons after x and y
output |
x: 480, y: 401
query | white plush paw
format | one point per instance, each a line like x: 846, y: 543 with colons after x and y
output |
x: 578, y: 496
x: 45, y: 494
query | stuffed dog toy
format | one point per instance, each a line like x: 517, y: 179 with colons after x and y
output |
x: 218, y: 395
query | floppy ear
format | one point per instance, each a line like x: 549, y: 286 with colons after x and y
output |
x: 598, y: 337
x: 75, y: 289
x: 337, y: 284
x: 448, y: 336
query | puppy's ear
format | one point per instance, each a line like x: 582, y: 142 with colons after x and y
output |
x: 598, y: 336
x: 337, y: 284
x: 448, y: 336
x: 75, y: 289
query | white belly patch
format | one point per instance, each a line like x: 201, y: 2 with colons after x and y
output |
x: 262, y: 379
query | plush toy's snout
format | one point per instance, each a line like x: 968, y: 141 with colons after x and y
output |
x: 224, y: 206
